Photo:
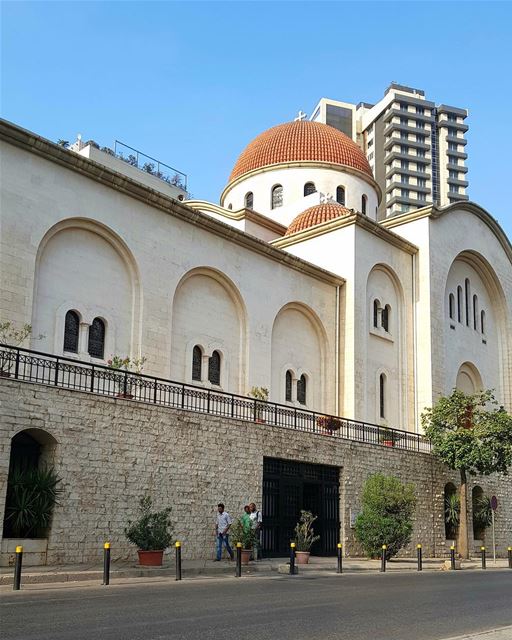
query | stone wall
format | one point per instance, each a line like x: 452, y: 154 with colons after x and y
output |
x: 111, y: 451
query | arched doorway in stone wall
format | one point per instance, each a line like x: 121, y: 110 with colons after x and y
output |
x: 33, y: 487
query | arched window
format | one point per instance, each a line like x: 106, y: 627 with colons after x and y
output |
x: 386, y: 312
x: 340, y: 195
x: 71, y: 331
x: 277, y: 196
x: 364, y: 201
x: 214, y: 368
x: 468, y: 294
x: 301, y: 389
x: 482, y: 321
x: 451, y: 305
x: 459, y: 303
x: 249, y: 200
x: 96, y: 345
x: 230, y: 206
x: 376, y: 309
x: 309, y: 188
x: 288, y: 386
x: 197, y: 363
x: 382, y: 395
x: 475, y: 312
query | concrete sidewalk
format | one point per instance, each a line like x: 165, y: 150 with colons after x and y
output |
x: 505, y: 633
x: 208, y: 568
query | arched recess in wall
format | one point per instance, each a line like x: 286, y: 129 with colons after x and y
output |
x: 468, y: 380
x: 451, y: 507
x: 30, y: 450
x: 83, y: 265
x: 208, y: 310
x: 491, y: 352
x: 299, y: 343
x: 386, y: 347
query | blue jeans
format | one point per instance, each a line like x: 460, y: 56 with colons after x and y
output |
x: 223, y: 539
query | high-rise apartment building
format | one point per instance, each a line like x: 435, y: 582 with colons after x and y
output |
x: 416, y: 148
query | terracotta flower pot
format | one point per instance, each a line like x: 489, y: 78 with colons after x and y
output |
x: 126, y: 396
x: 246, y: 555
x: 388, y: 443
x: 150, y: 558
x: 302, y: 557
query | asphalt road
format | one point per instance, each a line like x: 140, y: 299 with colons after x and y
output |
x: 401, y: 606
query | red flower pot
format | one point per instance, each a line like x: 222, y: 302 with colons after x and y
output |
x: 150, y: 558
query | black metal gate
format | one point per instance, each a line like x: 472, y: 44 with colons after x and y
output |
x: 290, y: 486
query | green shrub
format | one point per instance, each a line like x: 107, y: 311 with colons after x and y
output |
x: 387, y: 509
x: 153, y: 530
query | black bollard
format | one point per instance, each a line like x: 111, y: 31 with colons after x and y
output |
x: 383, y: 559
x: 292, y: 558
x: 340, y: 558
x: 238, y: 570
x: 178, y: 560
x: 106, y: 563
x: 17, y: 569
x: 510, y: 557
x: 420, y: 557
x: 452, y: 557
x: 484, y: 564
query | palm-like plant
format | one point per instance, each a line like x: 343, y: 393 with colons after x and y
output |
x: 304, y: 533
x: 452, y: 514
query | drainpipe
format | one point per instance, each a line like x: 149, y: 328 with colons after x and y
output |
x: 415, y: 344
x: 337, y: 354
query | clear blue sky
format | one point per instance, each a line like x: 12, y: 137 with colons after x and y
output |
x: 192, y: 83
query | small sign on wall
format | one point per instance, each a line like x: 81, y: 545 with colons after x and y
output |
x: 353, y: 515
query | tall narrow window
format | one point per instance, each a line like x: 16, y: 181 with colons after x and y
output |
x: 451, y: 305
x: 382, y: 395
x: 475, y: 312
x: 459, y: 303
x: 288, y: 386
x: 482, y: 321
x: 96, y: 345
x: 71, y: 331
x: 340, y: 195
x: 214, y: 368
x: 197, y: 363
x: 386, y: 312
x: 376, y: 308
x: 249, y: 200
x: 364, y: 201
x: 468, y: 294
x: 301, y: 389
x: 277, y: 196
x: 309, y: 188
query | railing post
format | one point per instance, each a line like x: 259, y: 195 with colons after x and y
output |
x: 56, y: 377
x: 125, y: 384
x: 178, y: 560
x: 208, y: 401
x: 420, y: 557
x: 295, y: 419
x: 275, y: 415
x: 254, y: 411
x: 106, y: 563
x: 92, y: 379
x: 232, y: 405
x: 17, y: 365
x: 182, y: 396
x: 383, y: 559
x: 339, y: 568
x: 155, y: 387
x: 17, y: 568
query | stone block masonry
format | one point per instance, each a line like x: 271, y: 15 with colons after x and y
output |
x: 110, y: 451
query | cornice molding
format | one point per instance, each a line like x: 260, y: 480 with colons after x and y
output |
x: 240, y: 214
x: 32, y: 143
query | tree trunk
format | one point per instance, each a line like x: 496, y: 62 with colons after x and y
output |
x: 463, y: 541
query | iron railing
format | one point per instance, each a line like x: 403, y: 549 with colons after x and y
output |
x: 68, y: 373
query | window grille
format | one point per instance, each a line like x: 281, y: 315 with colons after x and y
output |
x: 214, y: 368
x: 277, y: 196
x: 249, y: 200
x: 96, y: 346
x: 288, y: 386
x: 197, y: 362
x: 340, y: 195
x: 71, y: 331
x: 301, y: 389
x: 309, y: 188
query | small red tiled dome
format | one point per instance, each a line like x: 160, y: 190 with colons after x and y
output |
x: 316, y: 215
x: 300, y: 140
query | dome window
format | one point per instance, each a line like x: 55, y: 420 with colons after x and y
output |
x: 249, y: 200
x: 309, y: 188
x: 340, y: 195
x: 364, y: 202
x: 277, y: 196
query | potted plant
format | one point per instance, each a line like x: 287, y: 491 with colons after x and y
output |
x: 260, y: 395
x: 388, y: 437
x: 152, y: 533
x: 328, y: 424
x: 246, y: 535
x: 12, y: 337
x: 123, y: 382
x: 304, y: 536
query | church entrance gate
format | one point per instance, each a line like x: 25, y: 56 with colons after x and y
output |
x: 288, y: 487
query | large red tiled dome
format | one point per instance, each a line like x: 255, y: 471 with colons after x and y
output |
x: 316, y: 215
x: 300, y: 140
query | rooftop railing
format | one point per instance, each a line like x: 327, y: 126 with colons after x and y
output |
x: 67, y: 373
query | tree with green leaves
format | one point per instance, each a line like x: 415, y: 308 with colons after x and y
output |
x: 472, y: 435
